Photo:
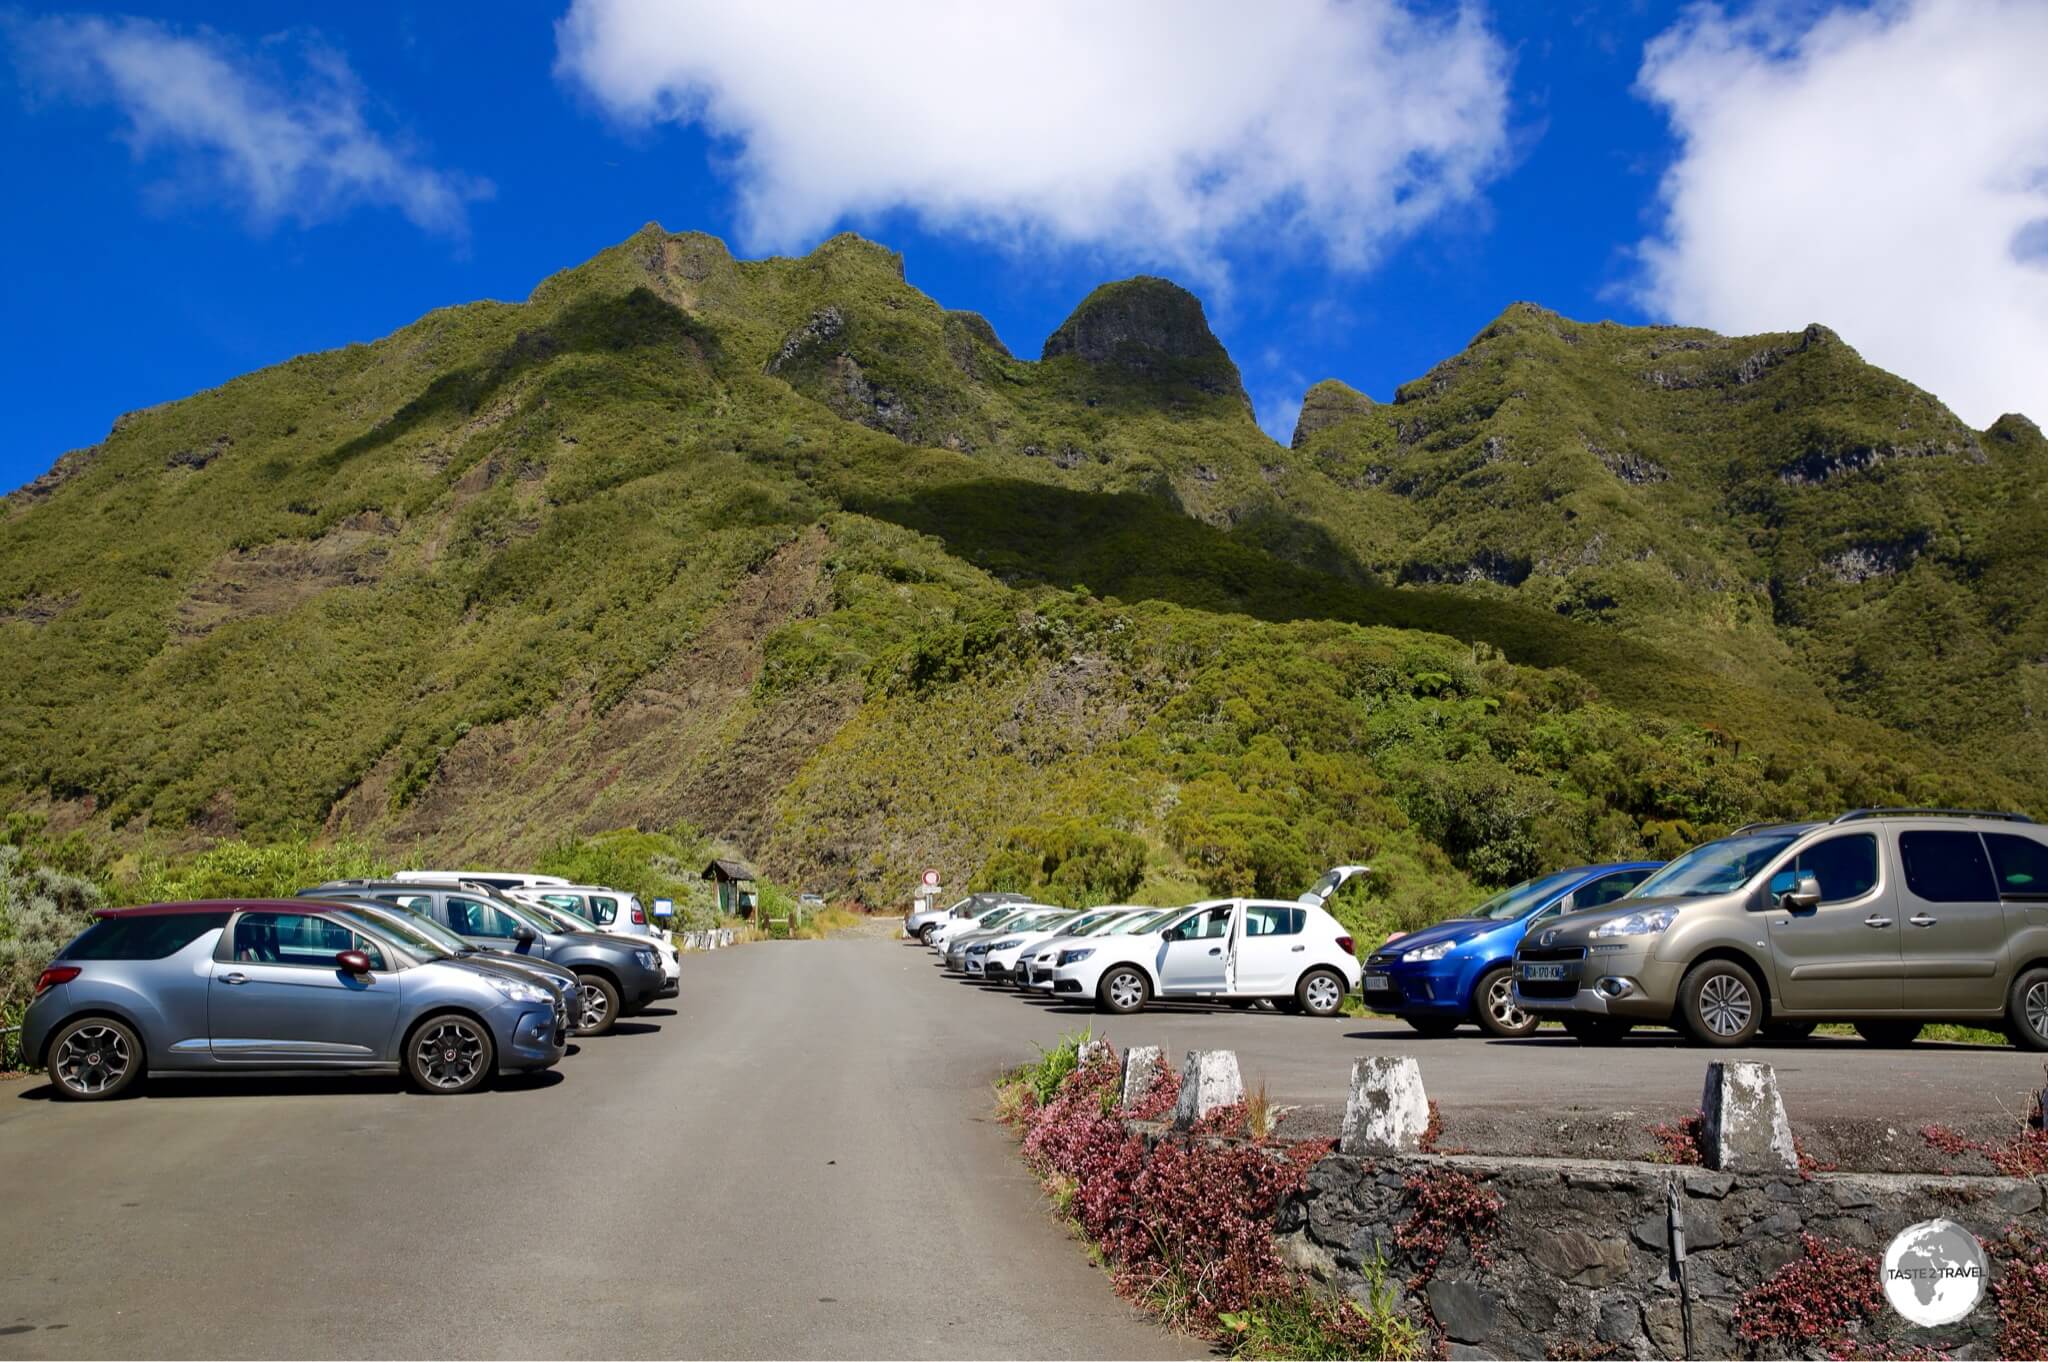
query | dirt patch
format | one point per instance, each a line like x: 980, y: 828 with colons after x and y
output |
x: 37, y: 610
x: 278, y: 577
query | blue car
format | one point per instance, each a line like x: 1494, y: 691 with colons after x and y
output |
x: 1457, y: 971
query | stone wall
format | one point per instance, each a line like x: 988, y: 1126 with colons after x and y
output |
x: 1578, y: 1262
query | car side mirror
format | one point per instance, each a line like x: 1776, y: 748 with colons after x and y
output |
x: 352, y: 962
x: 1801, y: 893
x: 524, y: 935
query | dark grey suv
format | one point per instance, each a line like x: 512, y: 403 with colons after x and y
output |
x: 615, y: 975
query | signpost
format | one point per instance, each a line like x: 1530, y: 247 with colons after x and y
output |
x: 664, y: 907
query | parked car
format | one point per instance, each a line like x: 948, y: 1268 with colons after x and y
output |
x: 1036, y: 970
x: 946, y: 932
x: 1462, y: 969
x: 923, y: 925
x: 1884, y: 918
x: 423, y: 936
x: 495, y: 879
x: 615, y: 975
x: 564, y: 920
x: 1227, y: 949
x: 972, y: 952
x: 271, y: 985
x: 608, y: 910
x: 1010, y: 952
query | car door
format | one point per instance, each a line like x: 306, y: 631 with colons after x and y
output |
x: 1842, y: 954
x: 1271, y: 950
x: 1954, y: 927
x: 1196, y: 953
x: 277, y: 997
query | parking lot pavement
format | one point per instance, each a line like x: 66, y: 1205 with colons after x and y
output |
x: 795, y: 1159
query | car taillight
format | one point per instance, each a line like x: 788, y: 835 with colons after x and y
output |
x: 1345, y: 942
x: 639, y: 918
x: 53, y: 976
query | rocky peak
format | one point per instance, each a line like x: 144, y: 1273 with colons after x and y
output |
x: 1324, y: 405
x: 2014, y: 429
x: 1148, y: 326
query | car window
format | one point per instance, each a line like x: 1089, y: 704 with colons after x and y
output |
x: 2020, y: 864
x: 1138, y: 924
x: 1211, y: 923
x: 1947, y: 867
x: 1845, y: 866
x: 472, y: 918
x: 565, y: 902
x: 603, y: 911
x: 1264, y: 921
x: 1606, y: 889
x: 140, y: 938
x: 1717, y: 867
x: 1510, y: 904
x: 294, y: 939
x: 416, y: 903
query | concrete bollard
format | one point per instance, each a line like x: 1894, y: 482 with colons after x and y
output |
x: 1209, y: 1080
x: 1141, y: 1071
x: 1387, y: 1111
x: 1743, y: 1126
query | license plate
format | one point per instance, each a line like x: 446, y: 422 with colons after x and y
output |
x: 1538, y: 972
x: 1377, y: 983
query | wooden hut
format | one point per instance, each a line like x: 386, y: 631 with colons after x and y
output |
x: 735, y: 884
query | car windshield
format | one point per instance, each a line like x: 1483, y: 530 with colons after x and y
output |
x: 1090, y: 923
x: 1525, y: 898
x: 1716, y: 867
x: 1143, y: 922
x: 521, y: 914
x: 424, y: 925
x: 419, y: 943
x: 995, y: 917
x: 1039, y: 920
x: 561, y: 921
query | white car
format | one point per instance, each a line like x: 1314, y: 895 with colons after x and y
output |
x: 953, y: 928
x: 605, y: 908
x: 1034, y: 970
x: 1294, y: 953
x: 970, y: 954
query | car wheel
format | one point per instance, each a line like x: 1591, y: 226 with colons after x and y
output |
x: 449, y: 1053
x: 925, y: 932
x: 1433, y: 1026
x: 1320, y: 993
x: 597, y: 1005
x: 94, y: 1058
x: 2028, y: 1010
x: 1889, y: 1034
x: 1493, y: 1002
x: 1787, y: 1032
x: 1720, y: 1003
x: 1123, y: 990
x: 1597, y: 1030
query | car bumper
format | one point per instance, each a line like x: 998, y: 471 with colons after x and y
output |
x: 1631, y: 984
x: 1415, y: 991
x: 671, y: 988
x: 40, y: 1019
x: 536, y: 1038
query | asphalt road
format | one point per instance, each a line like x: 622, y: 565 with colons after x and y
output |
x: 798, y: 1162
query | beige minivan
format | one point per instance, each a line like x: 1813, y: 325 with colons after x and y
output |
x: 1884, y: 918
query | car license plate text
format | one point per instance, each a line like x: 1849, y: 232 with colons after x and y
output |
x: 1539, y: 972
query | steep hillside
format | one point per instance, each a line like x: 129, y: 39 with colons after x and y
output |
x: 788, y: 550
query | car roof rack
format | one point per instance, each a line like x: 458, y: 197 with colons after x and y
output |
x: 1854, y: 815
x: 1769, y: 823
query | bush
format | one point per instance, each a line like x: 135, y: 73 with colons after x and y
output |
x: 40, y: 911
x: 235, y: 869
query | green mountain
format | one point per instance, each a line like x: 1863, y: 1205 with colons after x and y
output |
x: 788, y: 551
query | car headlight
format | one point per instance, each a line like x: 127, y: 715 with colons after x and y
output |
x: 1646, y: 923
x: 1009, y: 945
x: 1075, y: 957
x: 978, y: 948
x: 647, y: 959
x: 518, y: 991
x: 1426, y: 953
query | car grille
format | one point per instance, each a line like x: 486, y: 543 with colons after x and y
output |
x: 1547, y: 988
x: 1551, y: 953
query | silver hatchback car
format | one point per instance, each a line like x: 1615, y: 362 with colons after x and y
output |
x: 276, y: 986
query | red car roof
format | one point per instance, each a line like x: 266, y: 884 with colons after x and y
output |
x: 220, y: 906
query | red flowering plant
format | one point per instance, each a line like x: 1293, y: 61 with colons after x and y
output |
x: 1817, y: 1300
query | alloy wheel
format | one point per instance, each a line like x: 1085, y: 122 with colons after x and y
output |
x: 2036, y: 1008
x: 92, y: 1059
x: 592, y: 1007
x: 1725, y: 1005
x: 450, y: 1053
x: 1500, y: 1005
x: 1323, y: 995
x: 1126, y: 991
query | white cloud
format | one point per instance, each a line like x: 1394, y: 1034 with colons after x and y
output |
x: 1151, y: 129
x: 1883, y: 171
x: 298, y: 149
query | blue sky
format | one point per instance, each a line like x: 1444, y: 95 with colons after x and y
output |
x: 197, y: 196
